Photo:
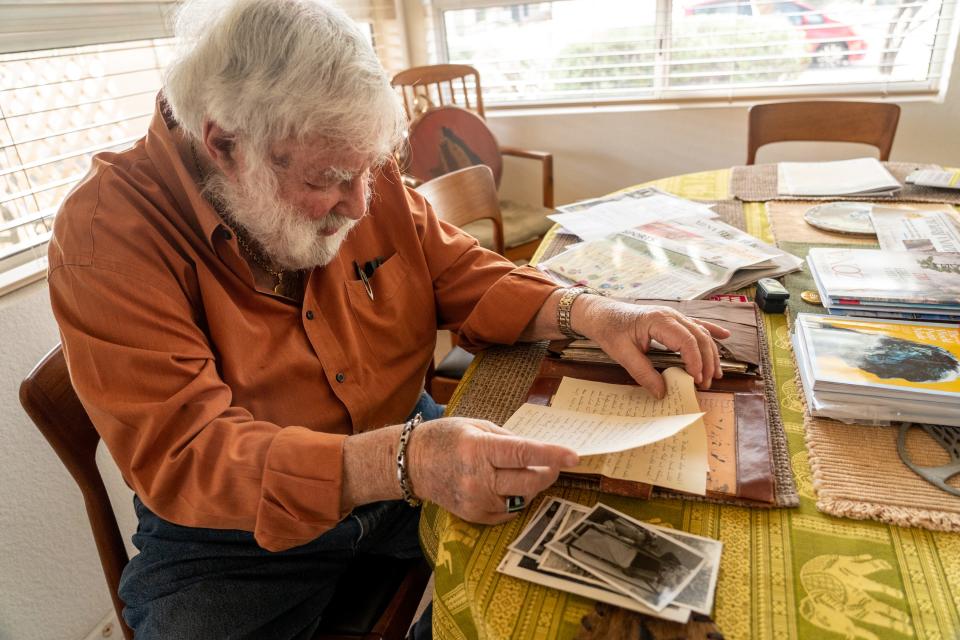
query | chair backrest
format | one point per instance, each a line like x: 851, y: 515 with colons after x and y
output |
x: 870, y: 123
x: 448, y: 138
x: 464, y: 196
x: 49, y: 399
x: 435, y: 85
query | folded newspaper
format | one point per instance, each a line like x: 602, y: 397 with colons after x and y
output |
x: 949, y: 179
x: 681, y: 256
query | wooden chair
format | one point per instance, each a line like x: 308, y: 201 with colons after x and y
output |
x: 870, y: 123
x: 467, y: 199
x: 376, y: 602
x: 432, y: 87
x: 435, y: 85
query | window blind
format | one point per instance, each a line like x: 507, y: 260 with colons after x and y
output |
x: 610, y: 51
x: 57, y: 109
x: 52, y: 24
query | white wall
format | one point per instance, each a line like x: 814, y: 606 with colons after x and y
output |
x: 597, y: 152
x: 51, y: 584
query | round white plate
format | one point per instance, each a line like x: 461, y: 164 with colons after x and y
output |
x: 842, y: 217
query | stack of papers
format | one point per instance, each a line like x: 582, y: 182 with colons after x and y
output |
x: 608, y: 556
x: 876, y: 283
x: 863, y: 176
x: 626, y: 210
x: 939, y: 179
x: 858, y: 370
x: 675, y: 249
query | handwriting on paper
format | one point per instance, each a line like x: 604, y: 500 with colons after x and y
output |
x: 593, y: 434
x: 678, y: 462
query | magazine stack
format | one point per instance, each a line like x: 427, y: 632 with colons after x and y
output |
x: 876, y: 283
x: 875, y: 372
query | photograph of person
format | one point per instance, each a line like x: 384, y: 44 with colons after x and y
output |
x: 630, y: 556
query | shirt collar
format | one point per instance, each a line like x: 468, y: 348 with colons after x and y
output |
x: 161, y: 147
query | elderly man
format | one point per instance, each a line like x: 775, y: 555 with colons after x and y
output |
x: 248, y: 301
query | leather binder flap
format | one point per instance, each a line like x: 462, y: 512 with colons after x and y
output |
x: 627, y: 488
x: 755, y: 475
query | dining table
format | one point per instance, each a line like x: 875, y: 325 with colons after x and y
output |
x: 788, y: 572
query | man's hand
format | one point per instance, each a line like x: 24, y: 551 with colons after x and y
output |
x: 469, y: 467
x: 624, y: 332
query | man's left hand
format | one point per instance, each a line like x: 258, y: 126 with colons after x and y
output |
x: 624, y: 332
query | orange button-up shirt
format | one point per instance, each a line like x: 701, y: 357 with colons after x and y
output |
x: 226, y: 406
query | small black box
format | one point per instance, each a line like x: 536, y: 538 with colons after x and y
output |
x: 772, y: 296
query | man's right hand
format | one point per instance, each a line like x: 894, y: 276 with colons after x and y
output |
x: 469, y: 467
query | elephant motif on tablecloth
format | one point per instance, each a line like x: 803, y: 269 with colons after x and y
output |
x: 839, y: 597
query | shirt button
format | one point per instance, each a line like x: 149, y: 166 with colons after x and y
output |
x: 309, y: 315
x: 341, y: 377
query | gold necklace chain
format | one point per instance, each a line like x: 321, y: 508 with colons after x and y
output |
x: 242, y: 240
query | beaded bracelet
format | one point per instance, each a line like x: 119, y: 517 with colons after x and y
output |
x: 403, y: 476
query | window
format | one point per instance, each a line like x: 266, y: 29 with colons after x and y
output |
x: 58, y: 108
x: 622, y: 51
x: 60, y: 104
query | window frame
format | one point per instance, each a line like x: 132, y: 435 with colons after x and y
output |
x: 672, y: 98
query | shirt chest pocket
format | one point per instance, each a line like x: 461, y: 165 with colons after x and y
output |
x: 399, y: 322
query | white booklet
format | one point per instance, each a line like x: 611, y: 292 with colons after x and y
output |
x: 916, y: 230
x: 842, y: 177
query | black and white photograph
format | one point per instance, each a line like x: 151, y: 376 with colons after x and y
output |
x: 555, y: 563
x: 630, y: 555
x: 698, y: 594
x: 523, y: 567
x: 527, y: 541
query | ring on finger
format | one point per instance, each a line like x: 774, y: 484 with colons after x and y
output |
x: 515, y: 504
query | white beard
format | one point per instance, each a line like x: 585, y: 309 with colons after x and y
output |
x: 288, y: 237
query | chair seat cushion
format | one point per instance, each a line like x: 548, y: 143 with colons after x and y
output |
x: 521, y: 224
x: 454, y: 364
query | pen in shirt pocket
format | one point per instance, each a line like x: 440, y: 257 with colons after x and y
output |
x: 365, y: 272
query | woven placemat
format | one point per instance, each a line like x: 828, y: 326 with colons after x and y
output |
x: 758, y: 183
x: 497, y: 382
x: 857, y: 473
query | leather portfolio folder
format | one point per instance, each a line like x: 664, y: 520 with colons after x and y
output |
x: 737, y: 433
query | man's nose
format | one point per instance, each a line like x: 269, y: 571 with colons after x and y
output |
x: 353, y: 198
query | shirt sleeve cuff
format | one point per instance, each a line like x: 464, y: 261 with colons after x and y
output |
x: 506, y: 308
x: 300, y: 495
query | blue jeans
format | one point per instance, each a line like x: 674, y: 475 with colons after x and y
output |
x: 189, y: 582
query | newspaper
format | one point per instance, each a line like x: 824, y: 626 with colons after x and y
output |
x: 600, y: 217
x: 931, y: 178
x: 915, y: 230
x: 681, y: 259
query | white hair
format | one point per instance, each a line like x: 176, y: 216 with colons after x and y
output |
x: 272, y: 70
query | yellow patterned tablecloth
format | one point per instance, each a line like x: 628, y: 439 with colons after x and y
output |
x: 789, y: 573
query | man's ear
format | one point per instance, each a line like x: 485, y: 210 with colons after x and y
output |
x: 220, y: 146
